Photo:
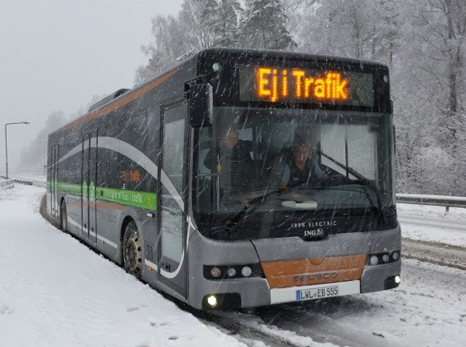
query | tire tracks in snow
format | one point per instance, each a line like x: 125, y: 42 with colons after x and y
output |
x: 435, y: 253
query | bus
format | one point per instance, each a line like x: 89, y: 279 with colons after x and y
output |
x: 238, y: 178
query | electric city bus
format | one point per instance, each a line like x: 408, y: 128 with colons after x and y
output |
x: 238, y: 178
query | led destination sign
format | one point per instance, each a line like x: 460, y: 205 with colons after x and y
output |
x: 295, y: 85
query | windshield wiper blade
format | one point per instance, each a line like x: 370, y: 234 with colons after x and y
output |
x: 363, y: 180
x: 254, y: 202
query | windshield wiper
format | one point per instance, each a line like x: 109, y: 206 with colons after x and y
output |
x: 253, y: 204
x: 362, y: 180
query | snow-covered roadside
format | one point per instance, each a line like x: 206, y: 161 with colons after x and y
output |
x: 432, y: 223
x: 56, y: 292
x: 5, y: 189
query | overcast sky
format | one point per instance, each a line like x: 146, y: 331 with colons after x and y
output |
x: 55, y: 55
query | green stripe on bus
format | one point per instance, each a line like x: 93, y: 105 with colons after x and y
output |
x: 128, y: 197
x: 71, y: 188
x: 121, y: 196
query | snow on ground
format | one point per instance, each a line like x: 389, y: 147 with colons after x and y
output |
x: 54, y: 291
x: 428, y: 310
x: 433, y: 223
x: 4, y: 190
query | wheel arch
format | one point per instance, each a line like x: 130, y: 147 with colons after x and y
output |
x: 126, y: 220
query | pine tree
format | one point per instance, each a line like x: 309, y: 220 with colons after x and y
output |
x: 221, y: 17
x: 263, y: 25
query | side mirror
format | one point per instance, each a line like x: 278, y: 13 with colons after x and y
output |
x: 201, y: 108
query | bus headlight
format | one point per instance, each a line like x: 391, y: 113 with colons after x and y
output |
x: 215, y: 272
x: 221, y: 301
x: 226, y: 272
x: 212, y: 301
x: 246, y: 271
x: 383, y: 258
x: 392, y: 282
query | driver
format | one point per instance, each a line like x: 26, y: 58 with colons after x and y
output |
x: 234, y: 162
x: 301, y: 170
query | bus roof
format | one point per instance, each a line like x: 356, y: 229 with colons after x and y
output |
x: 109, y: 104
x: 273, y: 54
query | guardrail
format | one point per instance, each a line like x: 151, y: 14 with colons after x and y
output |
x: 19, y: 181
x: 8, y: 184
x: 433, y: 200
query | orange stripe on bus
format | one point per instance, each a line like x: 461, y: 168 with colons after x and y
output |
x: 104, y: 205
x: 291, y: 273
x: 126, y: 99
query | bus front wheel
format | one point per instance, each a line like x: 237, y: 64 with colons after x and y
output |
x: 132, y: 250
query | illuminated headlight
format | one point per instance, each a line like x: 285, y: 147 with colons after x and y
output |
x: 215, y: 272
x: 212, y: 301
x: 221, y: 301
x: 397, y: 279
x: 374, y: 260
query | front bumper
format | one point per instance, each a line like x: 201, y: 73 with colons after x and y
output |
x: 254, y: 292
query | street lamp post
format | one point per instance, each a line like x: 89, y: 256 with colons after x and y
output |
x: 6, y: 144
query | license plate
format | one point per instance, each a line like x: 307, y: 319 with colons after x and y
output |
x: 316, y: 293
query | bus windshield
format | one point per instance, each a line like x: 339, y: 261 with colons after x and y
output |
x: 286, y: 165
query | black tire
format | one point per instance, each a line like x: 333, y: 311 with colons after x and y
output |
x: 63, y: 217
x: 132, y: 250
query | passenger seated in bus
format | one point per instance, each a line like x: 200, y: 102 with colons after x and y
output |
x: 302, y: 170
x: 234, y: 163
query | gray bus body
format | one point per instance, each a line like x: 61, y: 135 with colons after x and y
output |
x: 140, y: 158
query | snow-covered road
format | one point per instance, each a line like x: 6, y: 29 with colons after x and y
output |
x: 428, y: 309
x: 54, y: 291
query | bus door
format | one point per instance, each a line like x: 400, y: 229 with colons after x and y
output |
x: 172, y: 183
x: 88, y: 180
x: 53, y: 184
